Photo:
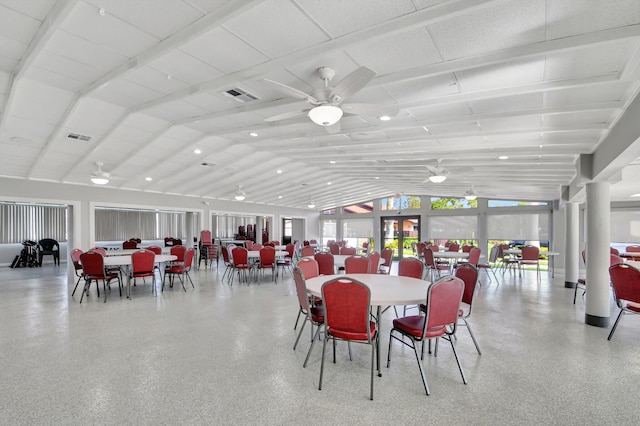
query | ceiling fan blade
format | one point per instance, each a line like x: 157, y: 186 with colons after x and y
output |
x: 370, y: 109
x: 351, y: 84
x: 290, y: 91
x: 334, y: 128
x: 286, y: 115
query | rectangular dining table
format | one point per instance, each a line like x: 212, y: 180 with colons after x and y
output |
x: 125, y: 260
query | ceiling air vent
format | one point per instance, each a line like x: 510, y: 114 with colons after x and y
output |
x: 240, y: 95
x: 207, y: 164
x: 79, y: 137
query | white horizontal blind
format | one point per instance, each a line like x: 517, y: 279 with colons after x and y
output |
x: 625, y: 226
x: 357, y: 228
x: 513, y: 226
x: 453, y: 227
x: 122, y: 224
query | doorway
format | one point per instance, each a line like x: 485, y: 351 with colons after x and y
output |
x: 398, y: 233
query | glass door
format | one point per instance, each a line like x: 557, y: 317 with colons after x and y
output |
x: 398, y: 233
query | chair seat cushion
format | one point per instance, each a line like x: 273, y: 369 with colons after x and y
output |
x: 174, y: 269
x: 582, y: 281
x: 317, y: 315
x: 412, y: 325
x: 351, y: 335
x: 635, y: 307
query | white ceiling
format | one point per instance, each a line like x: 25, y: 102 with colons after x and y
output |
x: 540, y: 81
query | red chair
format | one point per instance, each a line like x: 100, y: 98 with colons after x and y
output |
x: 308, y: 251
x: 633, y: 249
x: 387, y: 259
x: 374, y: 259
x: 226, y: 260
x: 267, y: 261
x: 614, y: 251
x: 365, y: 247
x: 256, y: 247
x: 129, y: 245
x: 410, y: 267
x: 179, y: 252
x: 431, y: 265
x: 334, y: 249
x: 269, y: 244
x: 348, y: 251
x: 442, y: 306
x: 205, y: 238
x: 357, y: 265
x: 530, y: 256
x: 420, y: 247
x: 143, y: 265
x: 288, y: 259
x: 313, y: 242
x: 309, y: 269
x: 468, y: 274
x: 453, y: 247
x: 77, y: 266
x: 240, y: 262
x: 466, y: 248
x: 582, y: 283
x: 180, y: 269
x: 313, y: 314
x: 626, y: 290
x: 305, y: 243
x: 93, y: 269
x: 347, y: 306
x: 326, y: 264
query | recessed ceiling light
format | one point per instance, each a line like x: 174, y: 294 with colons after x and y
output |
x: 169, y: 77
x: 279, y: 171
x: 279, y: 197
x: 102, y: 11
x: 328, y: 183
x: 636, y: 195
x: 377, y: 177
x: 384, y: 118
x: 148, y: 179
x: 503, y: 157
x: 332, y: 162
x: 197, y: 151
x: 253, y: 134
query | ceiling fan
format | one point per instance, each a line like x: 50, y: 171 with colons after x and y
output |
x: 100, y: 177
x: 239, y: 195
x: 437, y: 174
x: 327, y: 105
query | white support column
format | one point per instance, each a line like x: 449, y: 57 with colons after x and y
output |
x: 598, y: 296
x: 571, y: 248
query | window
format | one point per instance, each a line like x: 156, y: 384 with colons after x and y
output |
x: 514, y: 203
x: 518, y: 227
x: 359, y: 208
x: 26, y: 221
x: 329, y: 212
x: 356, y: 231
x: 625, y: 226
x: 453, y: 227
x: 328, y: 230
x: 121, y: 224
x: 403, y: 202
x: 440, y: 203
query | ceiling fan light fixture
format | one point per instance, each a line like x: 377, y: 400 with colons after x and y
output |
x: 471, y: 197
x: 99, y: 180
x: 437, y: 178
x: 240, y: 197
x: 240, y: 194
x: 325, y: 115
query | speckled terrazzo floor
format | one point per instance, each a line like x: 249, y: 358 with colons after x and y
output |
x: 223, y: 355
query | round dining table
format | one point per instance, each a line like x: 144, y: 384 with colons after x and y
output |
x: 386, y: 290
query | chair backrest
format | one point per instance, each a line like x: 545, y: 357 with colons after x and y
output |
x: 633, y: 249
x: 626, y: 283
x: 75, y: 258
x: 136, y: 239
x: 420, y: 248
x: 428, y: 257
x: 374, y: 262
x: 49, y: 244
x: 92, y: 263
x: 308, y: 251
x: 177, y: 242
x: 434, y: 247
x: 267, y: 256
x: 453, y: 247
x: 256, y: 247
x: 143, y: 261
x: 308, y: 267
x: 349, y: 251
x: 443, y: 305
x: 305, y: 243
x: 614, y: 260
x: 205, y: 238
x: 179, y: 252
x: 357, y: 265
x: 469, y: 275
x: 155, y: 249
x: 212, y: 251
x: 466, y: 248
x: 225, y: 255
x: 128, y: 245
x: 188, y: 258
x: 249, y: 245
x: 100, y: 250
x: 365, y: 247
x: 313, y: 242
x: 290, y: 248
x: 347, y: 305
x: 493, y: 254
x: 269, y: 244
x: 530, y: 253
x: 474, y: 256
x: 410, y: 267
x: 168, y: 241
x: 386, y: 256
x: 334, y: 249
x: 326, y: 263
x: 301, y: 289
x: 240, y: 255
x: 614, y: 251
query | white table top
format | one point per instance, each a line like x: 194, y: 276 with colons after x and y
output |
x: 633, y: 263
x: 451, y: 254
x: 129, y: 252
x: 255, y: 254
x: 386, y: 290
x: 518, y: 251
x: 630, y: 254
x: 126, y: 260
